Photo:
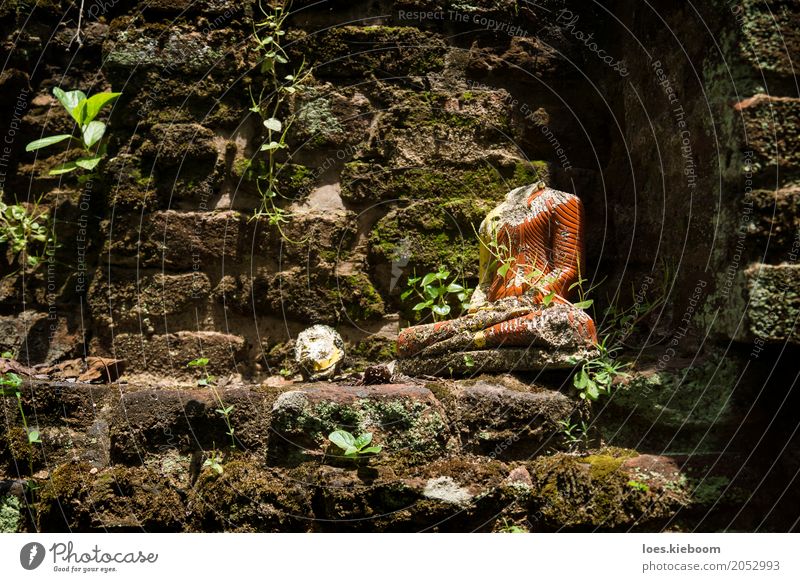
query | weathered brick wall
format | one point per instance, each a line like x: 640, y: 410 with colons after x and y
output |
x: 418, y: 118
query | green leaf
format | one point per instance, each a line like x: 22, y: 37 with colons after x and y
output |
x: 198, y: 363
x: 548, y: 299
x: 33, y: 436
x: 581, y: 380
x: 89, y: 108
x: 63, y: 168
x: 88, y: 163
x: 428, y: 279
x: 406, y: 294
x: 272, y: 146
x: 375, y: 449
x: 70, y: 100
x: 363, y: 440
x: 342, y: 439
x: 273, y: 124
x: 454, y: 288
x: 93, y: 133
x: 503, y: 269
x: 46, y: 141
x: 421, y: 306
x: 584, y: 304
x: 441, y: 310
x: 11, y: 379
x: 592, y: 392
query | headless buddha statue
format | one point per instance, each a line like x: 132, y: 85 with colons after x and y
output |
x: 530, y: 257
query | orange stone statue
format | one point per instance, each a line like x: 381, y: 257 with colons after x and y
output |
x: 520, y: 316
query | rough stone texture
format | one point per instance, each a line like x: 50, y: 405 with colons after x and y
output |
x: 775, y: 224
x: 407, y: 420
x: 407, y: 134
x: 506, y: 418
x: 678, y: 409
x: 771, y: 34
x: 168, y: 354
x: 772, y: 126
x: 773, y: 308
x: 500, y: 360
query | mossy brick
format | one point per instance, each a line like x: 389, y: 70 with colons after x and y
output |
x: 692, y: 409
x: 124, y: 297
x: 169, y: 353
x: 771, y: 133
x: 773, y: 309
x: 771, y: 35
x: 407, y: 421
x: 194, y: 241
x: 583, y: 493
x: 505, y: 418
x: 383, y: 51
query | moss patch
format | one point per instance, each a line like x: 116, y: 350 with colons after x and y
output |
x: 9, y: 514
x: 383, y: 51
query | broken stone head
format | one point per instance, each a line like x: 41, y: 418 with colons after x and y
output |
x: 319, y: 351
x: 521, y: 315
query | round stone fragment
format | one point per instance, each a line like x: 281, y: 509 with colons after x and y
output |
x: 319, y: 351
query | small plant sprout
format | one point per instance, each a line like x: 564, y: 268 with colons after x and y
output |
x: 10, y: 386
x: 209, y: 381
x: 436, y: 292
x: 511, y: 527
x: 354, y: 447
x: 596, y: 376
x: 577, y: 435
x: 639, y: 486
x: 214, y: 461
x: 83, y: 110
x: 28, y: 232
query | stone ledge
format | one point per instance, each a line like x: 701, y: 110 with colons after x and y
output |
x: 472, y: 363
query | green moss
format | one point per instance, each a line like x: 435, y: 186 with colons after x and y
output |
x: 117, y: 497
x: 580, y: 493
x: 601, y: 466
x: 344, y: 51
x: 359, y: 298
x: 408, y: 429
x: 364, y: 182
x: 372, y: 351
x: 247, y: 497
x: 315, y: 118
x: 9, y: 514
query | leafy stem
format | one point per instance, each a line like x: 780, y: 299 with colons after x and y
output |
x: 209, y: 381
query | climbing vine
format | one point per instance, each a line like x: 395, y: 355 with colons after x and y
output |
x: 270, y: 103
